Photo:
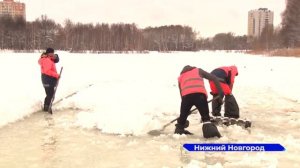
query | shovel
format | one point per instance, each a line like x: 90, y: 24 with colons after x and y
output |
x: 159, y: 131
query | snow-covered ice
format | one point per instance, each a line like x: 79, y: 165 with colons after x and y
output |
x: 132, y: 94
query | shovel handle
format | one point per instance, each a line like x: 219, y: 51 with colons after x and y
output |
x: 190, y: 112
x: 207, y: 102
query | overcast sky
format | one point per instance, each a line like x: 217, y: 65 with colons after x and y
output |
x: 207, y: 17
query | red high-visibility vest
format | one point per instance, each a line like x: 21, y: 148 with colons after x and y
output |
x: 48, y: 67
x: 234, y: 72
x: 191, y: 82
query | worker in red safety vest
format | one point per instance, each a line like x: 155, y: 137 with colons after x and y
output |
x: 193, y: 92
x: 227, y: 75
x: 49, y: 74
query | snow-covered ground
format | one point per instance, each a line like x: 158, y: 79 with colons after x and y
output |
x: 121, y: 94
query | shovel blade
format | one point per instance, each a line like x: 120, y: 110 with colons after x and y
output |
x: 155, y: 132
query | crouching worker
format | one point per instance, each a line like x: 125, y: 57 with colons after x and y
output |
x: 193, y: 92
x: 226, y: 74
x: 49, y: 75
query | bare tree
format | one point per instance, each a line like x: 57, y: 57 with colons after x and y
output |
x: 290, y: 31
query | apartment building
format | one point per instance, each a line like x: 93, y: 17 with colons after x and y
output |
x: 13, y: 9
x: 258, y: 19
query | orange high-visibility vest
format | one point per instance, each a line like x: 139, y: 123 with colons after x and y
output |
x: 48, y: 67
x: 234, y: 72
x: 191, y: 82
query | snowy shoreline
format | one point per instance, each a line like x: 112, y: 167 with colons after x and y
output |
x: 120, y: 79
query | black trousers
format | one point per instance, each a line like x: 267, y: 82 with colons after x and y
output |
x: 49, y: 95
x: 196, y: 99
x: 231, y: 107
x: 49, y: 83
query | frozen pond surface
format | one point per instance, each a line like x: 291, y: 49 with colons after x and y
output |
x: 45, y: 141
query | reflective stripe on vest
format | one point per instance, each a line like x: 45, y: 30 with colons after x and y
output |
x: 191, y: 82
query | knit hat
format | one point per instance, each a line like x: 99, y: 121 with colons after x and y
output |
x: 187, y: 68
x: 49, y: 50
x: 234, y: 70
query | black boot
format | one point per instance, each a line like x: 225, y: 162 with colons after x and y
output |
x: 210, y: 130
x: 46, y: 108
x: 187, y: 124
x: 180, y: 130
x: 50, y: 110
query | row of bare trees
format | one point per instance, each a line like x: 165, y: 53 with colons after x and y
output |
x: 170, y: 38
x: 290, y: 31
x: 101, y: 37
x: 17, y: 34
x: 227, y: 41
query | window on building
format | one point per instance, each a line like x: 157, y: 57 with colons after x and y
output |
x: 253, y: 25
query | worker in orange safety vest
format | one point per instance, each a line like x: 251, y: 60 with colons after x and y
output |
x: 193, y: 92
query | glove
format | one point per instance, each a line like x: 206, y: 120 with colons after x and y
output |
x: 210, y: 130
x: 55, y: 58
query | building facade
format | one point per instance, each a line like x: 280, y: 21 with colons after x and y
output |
x: 13, y: 9
x: 258, y: 19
